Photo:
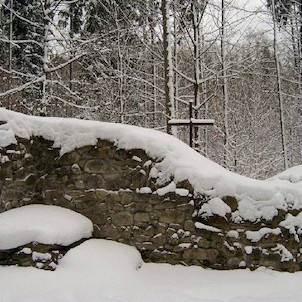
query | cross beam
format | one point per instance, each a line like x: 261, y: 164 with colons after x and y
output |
x: 191, y: 122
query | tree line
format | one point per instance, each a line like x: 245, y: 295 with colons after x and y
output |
x: 142, y: 62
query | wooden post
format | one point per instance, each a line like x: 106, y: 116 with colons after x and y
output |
x: 191, y: 125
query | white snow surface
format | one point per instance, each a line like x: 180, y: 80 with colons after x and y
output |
x: 293, y: 224
x: 293, y: 174
x: 215, y: 206
x: 106, y: 271
x: 256, y: 236
x: 257, y: 199
x: 209, y: 228
x: 44, y: 224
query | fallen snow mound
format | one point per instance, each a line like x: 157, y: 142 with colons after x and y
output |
x: 109, y: 256
x: 43, y: 224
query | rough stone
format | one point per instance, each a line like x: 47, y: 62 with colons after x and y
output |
x: 200, y: 254
x: 99, y: 166
x: 189, y: 226
x: 79, y: 184
x: 141, y: 217
x: 231, y: 202
x: 234, y: 262
x: 203, y: 243
x: 172, y: 216
x: 145, y: 246
x: 126, y: 197
x: 122, y: 219
x: 159, y: 239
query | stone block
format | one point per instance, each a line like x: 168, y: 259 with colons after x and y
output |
x: 105, y: 152
x: 79, y: 184
x: 231, y: 202
x: 102, y: 207
x: 200, y: 254
x: 234, y: 262
x: 189, y: 226
x: 99, y: 166
x: 141, y: 246
x: 159, y: 239
x: 172, y: 216
x: 138, y: 180
x: 144, y: 207
x: 122, y: 219
x: 110, y: 232
x: 126, y: 197
x: 71, y: 157
x: 94, y: 182
x: 149, y: 231
x: 203, y: 243
x: 116, y: 207
x: 154, y: 198
x: 165, y: 205
x: 181, y: 247
x: 102, y: 194
x: 75, y: 168
x: 290, y: 266
x: 141, y: 217
x: 141, y: 238
x: 99, y: 218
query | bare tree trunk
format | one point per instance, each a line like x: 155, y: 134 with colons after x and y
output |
x: 10, y: 53
x: 176, y: 48
x: 71, y: 30
x: 10, y: 60
x: 168, y: 64
x: 154, y: 69
x: 279, y: 91
x: 196, y: 29
x: 300, y: 40
x: 225, y: 91
x: 45, y: 57
x: 120, y: 70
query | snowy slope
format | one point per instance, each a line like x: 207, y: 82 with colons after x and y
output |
x: 257, y: 199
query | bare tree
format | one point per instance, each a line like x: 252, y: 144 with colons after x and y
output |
x: 279, y: 89
x: 168, y: 63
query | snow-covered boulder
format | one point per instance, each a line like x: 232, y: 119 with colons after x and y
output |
x: 109, y: 256
x: 35, y: 234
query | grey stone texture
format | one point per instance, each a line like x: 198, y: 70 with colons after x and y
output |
x: 103, y: 183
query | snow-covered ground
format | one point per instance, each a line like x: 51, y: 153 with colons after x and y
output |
x: 106, y: 271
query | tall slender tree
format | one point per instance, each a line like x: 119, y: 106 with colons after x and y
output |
x: 168, y: 63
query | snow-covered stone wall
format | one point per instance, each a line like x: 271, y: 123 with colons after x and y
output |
x: 172, y: 210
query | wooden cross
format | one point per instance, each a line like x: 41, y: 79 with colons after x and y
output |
x: 191, y: 122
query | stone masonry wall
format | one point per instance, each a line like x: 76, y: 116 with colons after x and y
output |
x: 115, y: 189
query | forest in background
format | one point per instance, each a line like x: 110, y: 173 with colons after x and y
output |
x: 142, y: 63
